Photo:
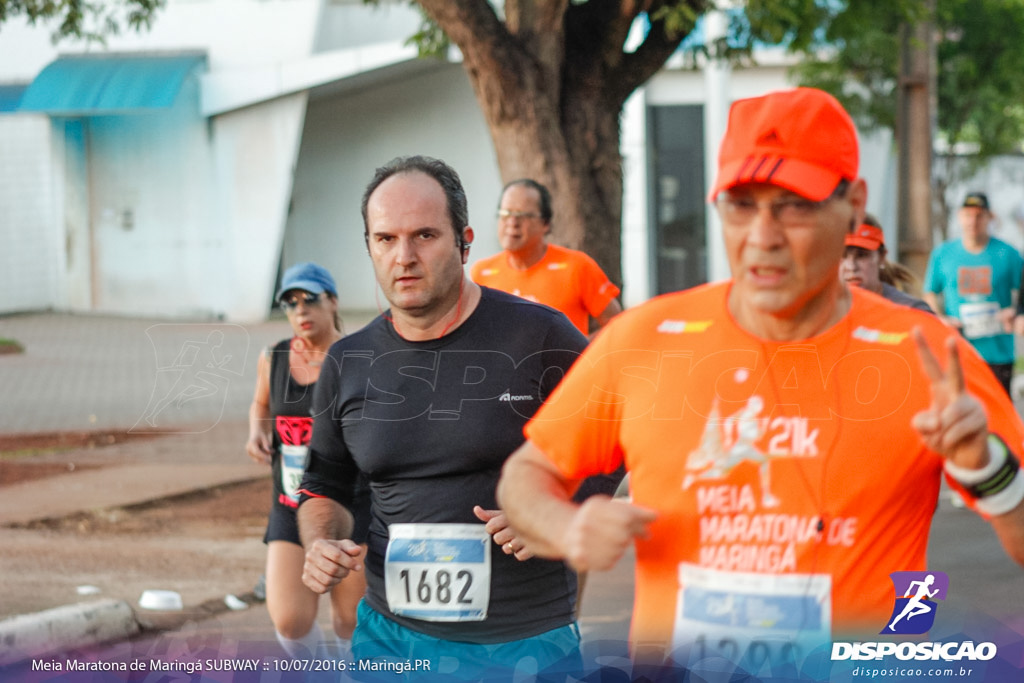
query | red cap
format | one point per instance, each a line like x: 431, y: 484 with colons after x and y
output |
x: 800, y: 139
x: 866, y: 237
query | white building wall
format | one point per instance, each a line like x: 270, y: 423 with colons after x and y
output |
x: 70, y: 164
x: 31, y: 248
x: 636, y: 247
x: 349, y: 23
x: 169, y: 213
x: 256, y: 154
x: 148, y: 207
x: 187, y: 215
x: 347, y: 137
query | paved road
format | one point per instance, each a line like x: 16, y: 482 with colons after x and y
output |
x: 98, y: 372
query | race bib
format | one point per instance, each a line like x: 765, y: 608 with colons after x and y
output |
x: 293, y: 465
x: 762, y: 622
x: 438, y: 572
x: 981, y: 319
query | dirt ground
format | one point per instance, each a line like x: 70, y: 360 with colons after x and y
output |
x: 204, y: 545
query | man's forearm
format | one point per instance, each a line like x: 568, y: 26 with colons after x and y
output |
x: 323, y: 518
x: 537, y: 504
x: 1010, y: 530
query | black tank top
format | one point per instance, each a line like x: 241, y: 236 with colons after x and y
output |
x: 291, y: 406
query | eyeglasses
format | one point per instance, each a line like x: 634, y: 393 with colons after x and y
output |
x: 505, y: 214
x: 290, y: 303
x: 793, y: 210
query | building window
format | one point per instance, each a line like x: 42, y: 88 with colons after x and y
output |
x: 676, y: 139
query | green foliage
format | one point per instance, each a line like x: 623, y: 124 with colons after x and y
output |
x: 430, y: 40
x: 981, y: 73
x: 678, y: 20
x: 794, y: 23
x: 91, y: 21
x: 980, y: 70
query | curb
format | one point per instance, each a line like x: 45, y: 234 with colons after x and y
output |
x: 85, y: 624
x: 71, y: 626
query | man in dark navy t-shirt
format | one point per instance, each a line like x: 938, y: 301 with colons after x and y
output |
x: 428, y: 401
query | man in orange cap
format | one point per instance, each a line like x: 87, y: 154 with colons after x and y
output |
x: 865, y: 265
x: 785, y: 435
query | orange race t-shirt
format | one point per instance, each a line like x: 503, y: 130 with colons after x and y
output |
x: 564, y: 279
x: 787, y: 478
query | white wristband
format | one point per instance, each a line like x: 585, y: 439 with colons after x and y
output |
x: 969, y: 477
x: 1004, y: 501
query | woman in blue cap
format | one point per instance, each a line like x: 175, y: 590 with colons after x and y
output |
x: 280, y: 426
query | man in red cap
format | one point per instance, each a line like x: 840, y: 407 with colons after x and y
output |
x: 865, y: 265
x: 786, y: 435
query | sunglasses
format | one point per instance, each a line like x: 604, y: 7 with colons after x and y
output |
x: 291, y: 302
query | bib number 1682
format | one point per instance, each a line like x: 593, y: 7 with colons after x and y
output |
x: 438, y: 572
x: 442, y: 587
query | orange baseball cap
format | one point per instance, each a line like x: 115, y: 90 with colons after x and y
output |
x: 866, y: 237
x: 800, y: 139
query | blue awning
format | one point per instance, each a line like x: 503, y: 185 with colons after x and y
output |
x: 85, y: 85
x: 10, y: 96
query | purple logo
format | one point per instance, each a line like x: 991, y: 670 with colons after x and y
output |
x: 916, y: 592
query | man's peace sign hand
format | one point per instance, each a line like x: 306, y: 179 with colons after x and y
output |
x: 955, y: 424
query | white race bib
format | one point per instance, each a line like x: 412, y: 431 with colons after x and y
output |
x: 759, y: 621
x: 438, y: 572
x: 293, y: 465
x: 981, y: 319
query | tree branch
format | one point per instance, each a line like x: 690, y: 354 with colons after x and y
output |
x: 471, y: 24
x: 637, y: 67
x: 501, y: 63
x: 539, y: 27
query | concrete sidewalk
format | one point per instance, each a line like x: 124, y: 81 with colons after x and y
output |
x: 191, y: 382
x: 129, y: 484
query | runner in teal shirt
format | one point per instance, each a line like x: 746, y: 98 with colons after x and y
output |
x: 973, y: 282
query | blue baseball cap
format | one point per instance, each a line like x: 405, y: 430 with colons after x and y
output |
x: 308, y: 277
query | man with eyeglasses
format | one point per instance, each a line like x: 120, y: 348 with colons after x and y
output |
x: 786, y: 435
x: 565, y: 279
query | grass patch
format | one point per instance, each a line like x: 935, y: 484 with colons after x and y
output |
x: 10, y: 346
